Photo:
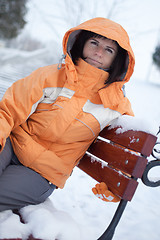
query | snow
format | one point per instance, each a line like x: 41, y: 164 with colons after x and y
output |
x: 74, y: 212
x: 152, y: 174
x: 58, y: 224
x: 11, y: 227
x: 125, y: 123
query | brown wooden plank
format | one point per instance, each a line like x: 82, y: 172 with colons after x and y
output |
x: 119, y: 158
x: 33, y: 238
x: 10, y: 238
x: 118, y: 183
x: 135, y: 140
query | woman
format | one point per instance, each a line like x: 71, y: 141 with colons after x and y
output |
x: 49, y: 119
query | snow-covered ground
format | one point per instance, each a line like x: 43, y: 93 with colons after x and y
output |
x: 74, y: 213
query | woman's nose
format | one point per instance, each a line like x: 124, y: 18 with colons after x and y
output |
x: 99, y: 51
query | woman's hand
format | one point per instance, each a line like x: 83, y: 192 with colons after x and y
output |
x: 101, y: 191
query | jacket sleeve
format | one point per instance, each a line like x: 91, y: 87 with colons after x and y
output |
x: 17, y: 102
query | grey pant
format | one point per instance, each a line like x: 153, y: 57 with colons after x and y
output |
x: 19, y: 185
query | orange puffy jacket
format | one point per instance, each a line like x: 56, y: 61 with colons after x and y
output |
x: 53, y: 115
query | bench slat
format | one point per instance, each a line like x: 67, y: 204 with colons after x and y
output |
x: 135, y: 140
x: 117, y: 182
x: 118, y: 157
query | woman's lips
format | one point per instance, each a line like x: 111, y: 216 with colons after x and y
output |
x: 93, y: 61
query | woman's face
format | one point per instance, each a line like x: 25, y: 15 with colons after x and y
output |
x: 100, y: 52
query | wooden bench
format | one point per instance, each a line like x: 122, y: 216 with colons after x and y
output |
x: 119, y: 158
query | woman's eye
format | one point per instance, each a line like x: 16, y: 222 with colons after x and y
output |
x: 109, y: 50
x: 94, y: 43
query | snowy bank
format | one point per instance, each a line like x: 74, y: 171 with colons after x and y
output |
x: 125, y: 123
x: 43, y: 221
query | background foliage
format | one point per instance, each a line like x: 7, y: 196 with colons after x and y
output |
x: 12, y: 17
x: 156, y: 57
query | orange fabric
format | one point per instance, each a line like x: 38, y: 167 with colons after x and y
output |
x: 114, y: 31
x: 109, y: 29
x: 101, y: 191
x: 52, y: 138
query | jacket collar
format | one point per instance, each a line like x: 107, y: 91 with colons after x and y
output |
x: 90, y: 80
x: 85, y: 74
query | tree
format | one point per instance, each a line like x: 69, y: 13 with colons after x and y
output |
x: 156, y: 57
x: 12, y: 14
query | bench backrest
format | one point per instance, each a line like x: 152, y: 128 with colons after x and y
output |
x: 118, y: 159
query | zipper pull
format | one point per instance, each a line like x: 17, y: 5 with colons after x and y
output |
x: 60, y: 61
